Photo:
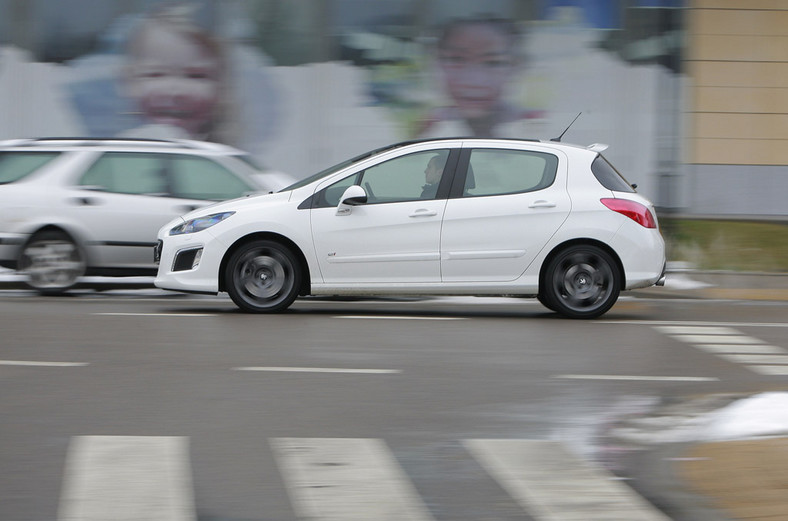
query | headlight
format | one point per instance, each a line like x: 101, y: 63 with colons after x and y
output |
x: 199, y: 224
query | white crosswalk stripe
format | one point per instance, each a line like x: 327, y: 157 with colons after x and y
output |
x: 732, y: 345
x: 337, y: 479
x: 127, y: 478
x: 554, y: 485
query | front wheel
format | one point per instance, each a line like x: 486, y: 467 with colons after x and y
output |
x: 51, y: 262
x: 263, y: 277
x: 582, y: 281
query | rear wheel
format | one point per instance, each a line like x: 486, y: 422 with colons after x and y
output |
x: 52, y: 262
x: 263, y: 277
x: 582, y: 281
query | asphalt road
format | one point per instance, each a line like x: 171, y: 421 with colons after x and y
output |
x: 173, y: 407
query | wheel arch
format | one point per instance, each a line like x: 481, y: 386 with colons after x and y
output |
x: 576, y: 242
x: 271, y: 236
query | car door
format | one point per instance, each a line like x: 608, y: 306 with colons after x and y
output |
x: 502, y: 212
x: 395, y: 236
x: 123, y: 199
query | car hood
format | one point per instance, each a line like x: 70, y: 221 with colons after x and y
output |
x: 236, y: 205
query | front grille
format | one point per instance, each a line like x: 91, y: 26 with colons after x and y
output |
x: 157, y: 252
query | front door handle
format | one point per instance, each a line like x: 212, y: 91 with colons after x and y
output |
x: 541, y: 203
x: 423, y: 212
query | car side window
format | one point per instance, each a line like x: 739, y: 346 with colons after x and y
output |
x: 16, y: 165
x: 500, y: 172
x: 201, y: 178
x: 329, y: 197
x: 127, y: 173
x: 407, y: 178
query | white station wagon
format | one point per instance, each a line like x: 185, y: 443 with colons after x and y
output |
x: 81, y: 206
x: 438, y: 217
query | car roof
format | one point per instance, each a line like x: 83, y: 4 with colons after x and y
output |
x: 115, y: 143
x: 595, y: 147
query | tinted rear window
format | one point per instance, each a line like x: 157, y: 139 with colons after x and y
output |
x: 609, y: 177
x: 16, y: 165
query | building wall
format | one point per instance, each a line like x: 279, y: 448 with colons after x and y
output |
x: 737, y: 64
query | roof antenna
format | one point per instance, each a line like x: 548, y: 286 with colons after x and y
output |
x: 558, y: 139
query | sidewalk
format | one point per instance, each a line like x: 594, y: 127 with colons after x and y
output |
x: 709, y: 458
x: 697, y: 479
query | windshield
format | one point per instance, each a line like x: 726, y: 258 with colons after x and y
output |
x: 336, y: 168
x: 251, y: 161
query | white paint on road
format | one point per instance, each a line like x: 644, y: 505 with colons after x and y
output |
x: 553, y: 484
x: 317, y: 370
x: 763, y: 349
x: 346, y: 479
x: 127, y: 478
x: 770, y: 370
x: 156, y: 314
x: 756, y: 359
x: 691, y: 323
x: 637, y: 378
x: 718, y: 339
x: 697, y: 330
x: 732, y: 345
x: 396, y: 317
x: 30, y: 363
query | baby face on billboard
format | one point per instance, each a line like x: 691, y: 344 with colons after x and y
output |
x: 175, y: 78
x: 476, y: 61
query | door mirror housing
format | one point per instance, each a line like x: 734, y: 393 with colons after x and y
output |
x: 353, y: 196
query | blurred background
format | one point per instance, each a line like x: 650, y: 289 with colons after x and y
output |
x: 691, y: 96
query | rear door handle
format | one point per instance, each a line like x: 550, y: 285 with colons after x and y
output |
x: 423, y: 212
x: 541, y: 203
x: 86, y: 201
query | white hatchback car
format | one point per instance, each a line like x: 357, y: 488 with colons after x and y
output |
x: 72, y: 206
x: 437, y: 217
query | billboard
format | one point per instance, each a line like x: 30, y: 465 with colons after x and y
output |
x: 304, y: 84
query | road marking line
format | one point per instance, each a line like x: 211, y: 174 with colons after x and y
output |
x: 635, y: 378
x: 42, y: 364
x: 697, y: 330
x: 127, y: 478
x: 552, y: 484
x: 777, y: 370
x: 691, y: 323
x: 718, y: 339
x: 348, y: 479
x: 156, y: 314
x: 395, y: 317
x: 737, y: 348
x: 759, y: 349
x: 756, y: 359
x: 318, y: 370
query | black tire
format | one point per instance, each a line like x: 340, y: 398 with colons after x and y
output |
x: 263, y: 276
x: 582, y: 281
x: 545, y: 302
x: 51, y: 262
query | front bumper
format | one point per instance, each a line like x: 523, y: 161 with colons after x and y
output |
x: 10, y: 246
x: 189, y: 263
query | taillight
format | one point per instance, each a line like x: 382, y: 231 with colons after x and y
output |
x: 635, y: 211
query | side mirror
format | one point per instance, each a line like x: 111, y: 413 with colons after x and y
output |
x: 353, y: 196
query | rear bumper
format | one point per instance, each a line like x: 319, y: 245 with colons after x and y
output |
x: 661, y: 281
